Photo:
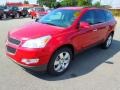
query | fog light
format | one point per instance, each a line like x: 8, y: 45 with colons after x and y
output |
x: 30, y: 61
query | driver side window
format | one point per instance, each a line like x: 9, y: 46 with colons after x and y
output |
x: 88, y: 17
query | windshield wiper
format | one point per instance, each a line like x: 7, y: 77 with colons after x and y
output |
x: 48, y: 23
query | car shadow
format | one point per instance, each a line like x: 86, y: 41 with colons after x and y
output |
x: 7, y: 19
x: 84, y: 63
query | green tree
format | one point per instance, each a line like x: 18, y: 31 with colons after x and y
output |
x: 84, y: 2
x: 97, y: 4
x: 48, y: 3
x: 56, y: 5
x: 76, y: 3
x: 69, y: 2
x: 26, y: 2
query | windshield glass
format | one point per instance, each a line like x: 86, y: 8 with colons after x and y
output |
x: 1, y: 7
x: 60, y: 17
x: 39, y: 9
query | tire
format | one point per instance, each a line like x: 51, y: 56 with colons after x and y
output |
x: 13, y: 16
x: 60, y: 61
x: 0, y: 17
x: 17, y: 15
x: 32, y: 17
x: 4, y: 16
x: 108, y: 42
x: 24, y: 16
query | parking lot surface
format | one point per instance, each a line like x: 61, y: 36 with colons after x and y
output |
x: 94, y: 69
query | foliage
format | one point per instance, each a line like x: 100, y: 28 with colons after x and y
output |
x: 97, y: 4
x: 26, y: 2
x: 56, y: 5
x: 76, y: 3
x: 69, y: 2
x: 48, y: 3
x: 84, y: 2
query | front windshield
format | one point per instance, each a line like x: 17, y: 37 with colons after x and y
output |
x: 60, y: 17
x: 1, y: 7
x: 39, y: 9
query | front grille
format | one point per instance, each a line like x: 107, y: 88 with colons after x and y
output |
x: 10, y: 49
x: 13, y: 41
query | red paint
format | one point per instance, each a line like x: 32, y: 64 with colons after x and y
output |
x: 34, y: 13
x: 79, y: 38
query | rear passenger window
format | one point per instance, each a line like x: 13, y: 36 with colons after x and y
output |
x: 88, y: 17
x: 109, y: 16
x: 100, y: 16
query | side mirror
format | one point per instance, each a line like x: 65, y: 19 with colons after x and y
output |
x: 84, y: 25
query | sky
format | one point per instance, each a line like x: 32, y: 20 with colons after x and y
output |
x: 114, y: 3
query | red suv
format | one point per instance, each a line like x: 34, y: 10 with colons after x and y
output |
x: 51, y: 42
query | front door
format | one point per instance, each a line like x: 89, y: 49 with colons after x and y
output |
x: 88, y: 37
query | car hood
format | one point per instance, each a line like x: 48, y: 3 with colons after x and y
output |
x: 35, y: 30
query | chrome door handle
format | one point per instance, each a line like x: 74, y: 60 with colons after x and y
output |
x: 95, y: 30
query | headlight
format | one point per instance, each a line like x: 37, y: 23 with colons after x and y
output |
x: 37, y: 43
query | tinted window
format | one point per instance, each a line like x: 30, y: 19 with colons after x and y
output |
x: 1, y: 8
x: 60, y: 17
x: 88, y: 17
x: 109, y: 16
x: 99, y: 16
x: 15, y: 8
x: 39, y: 9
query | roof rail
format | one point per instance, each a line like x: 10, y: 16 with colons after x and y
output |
x: 102, y: 7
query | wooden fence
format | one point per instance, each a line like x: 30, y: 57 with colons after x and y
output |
x: 116, y: 12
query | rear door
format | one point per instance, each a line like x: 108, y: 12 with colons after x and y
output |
x: 101, y: 24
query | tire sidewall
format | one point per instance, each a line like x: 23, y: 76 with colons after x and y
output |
x: 50, y: 68
x: 4, y: 16
x: 18, y: 15
x: 107, y: 40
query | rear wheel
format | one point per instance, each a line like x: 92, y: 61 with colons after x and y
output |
x: 4, y: 16
x: 108, y: 42
x: 13, y: 16
x: 60, y: 61
x: 17, y: 15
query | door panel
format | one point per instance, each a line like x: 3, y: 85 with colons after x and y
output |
x: 88, y: 36
x: 100, y: 24
x: 101, y: 30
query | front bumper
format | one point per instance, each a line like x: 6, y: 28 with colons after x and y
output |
x: 34, y: 68
x: 25, y: 53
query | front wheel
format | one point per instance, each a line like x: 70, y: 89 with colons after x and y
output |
x: 32, y: 17
x: 25, y: 15
x: 108, y: 42
x: 60, y: 61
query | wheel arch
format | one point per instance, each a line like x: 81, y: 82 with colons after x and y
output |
x: 112, y: 32
x: 70, y: 46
